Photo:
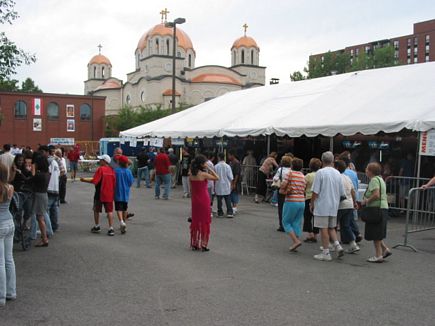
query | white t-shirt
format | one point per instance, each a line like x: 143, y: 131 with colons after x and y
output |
x: 223, y: 185
x: 53, y: 185
x: 348, y: 186
x: 328, y: 185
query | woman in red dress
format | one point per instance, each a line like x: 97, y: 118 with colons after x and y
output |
x: 201, y: 210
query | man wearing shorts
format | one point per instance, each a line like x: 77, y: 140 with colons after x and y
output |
x: 328, y: 190
x: 104, y: 181
x: 73, y: 158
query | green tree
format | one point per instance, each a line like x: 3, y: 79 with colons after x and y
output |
x: 9, y: 85
x: 28, y: 86
x: 11, y: 56
x: 296, y: 76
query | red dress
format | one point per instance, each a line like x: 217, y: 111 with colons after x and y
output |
x: 201, y: 214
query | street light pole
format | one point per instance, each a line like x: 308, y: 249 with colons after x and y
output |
x: 174, y: 49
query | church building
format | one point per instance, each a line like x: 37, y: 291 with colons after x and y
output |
x: 150, y: 85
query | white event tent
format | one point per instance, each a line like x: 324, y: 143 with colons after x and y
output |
x: 366, y: 102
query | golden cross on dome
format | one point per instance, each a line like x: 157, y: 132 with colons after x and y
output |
x: 245, y: 27
x: 164, y: 14
x: 99, y: 48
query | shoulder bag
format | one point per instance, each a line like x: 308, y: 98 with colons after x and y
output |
x: 373, y: 215
x: 277, y: 184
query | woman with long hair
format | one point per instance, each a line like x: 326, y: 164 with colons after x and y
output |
x: 201, y: 210
x: 40, y: 180
x: 7, y: 228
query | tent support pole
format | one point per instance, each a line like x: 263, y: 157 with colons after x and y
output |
x: 418, y: 155
x: 268, y: 144
x: 331, y: 144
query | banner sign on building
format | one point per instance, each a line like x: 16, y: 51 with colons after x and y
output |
x: 156, y: 142
x: 37, y: 107
x: 427, y: 143
x: 133, y: 142
x: 70, y: 110
x: 62, y: 141
x: 70, y: 125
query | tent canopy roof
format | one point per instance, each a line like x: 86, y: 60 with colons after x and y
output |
x: 367, y: 102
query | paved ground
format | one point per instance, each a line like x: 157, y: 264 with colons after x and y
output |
x: 150, y: 277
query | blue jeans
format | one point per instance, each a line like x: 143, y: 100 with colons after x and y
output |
x: 34, y: 226
x: 274, y: 199
x: 344, y: 218
x: 235, y: 197
x: 53, y: 211
x: 7, y: 265
x: 164, y: 179
x: 143, y: 172
x: 292, y: 215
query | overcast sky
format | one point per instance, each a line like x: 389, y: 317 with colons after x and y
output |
x: 64, y: 34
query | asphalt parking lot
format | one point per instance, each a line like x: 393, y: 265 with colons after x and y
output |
x: 150, y: 277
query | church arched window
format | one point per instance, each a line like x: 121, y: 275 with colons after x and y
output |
x: 243, y: 56
x: 157, y: 46
x: 167, y: 47
x: 95, y: 72
x: 252, y: 57
x: 190, y: 61
x: 102, y: 72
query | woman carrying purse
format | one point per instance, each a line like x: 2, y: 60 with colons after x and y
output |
x: 375, y: 213
x: 280, y: 174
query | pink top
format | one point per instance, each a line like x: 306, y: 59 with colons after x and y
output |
x: 268, y: 165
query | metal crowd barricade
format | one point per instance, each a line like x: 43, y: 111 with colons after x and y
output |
x: 420, y: 214
x: 249, y: 178
x: 398, y: 190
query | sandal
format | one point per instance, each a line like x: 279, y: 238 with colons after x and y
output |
x: 205, y: 249
x: 375, y: 259
x: 295, y: 247
x: 387, y: 253
x: 42, y: 244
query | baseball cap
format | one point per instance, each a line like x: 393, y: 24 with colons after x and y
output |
x: 122, y: 159
x: 105, y: 157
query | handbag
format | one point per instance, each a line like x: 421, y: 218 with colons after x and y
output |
x: 277, y: 184
x: 373, y: 215
x: 285, y: 190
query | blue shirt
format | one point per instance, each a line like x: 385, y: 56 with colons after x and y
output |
x: 353, y: 177
x: 124, y: 180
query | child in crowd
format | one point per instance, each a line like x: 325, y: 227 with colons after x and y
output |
x: 124, y: 180
x: 104, y: 181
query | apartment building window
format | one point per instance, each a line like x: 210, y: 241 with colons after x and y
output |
x: 415, y: 41
x: 351, y: 60
x: 426, y: 58
x: 409, y: 42
x: 322, y: 59
x: 427, y: 39
x: 20, y: 109
x: 357, y: 52
x: 427, y: 48
x: 408, y: 60
x: 396, y: 45
x: 367, y: 49
x: 415, y: 59
x: 415, y: 51
x: 409, y: 51
x: 351, y: 53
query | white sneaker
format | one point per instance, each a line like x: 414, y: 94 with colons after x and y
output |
x: 340, y: 251
x: 323, y: 257
x: 123, y: 228
x: 352, y: 250
x: 331, y: 248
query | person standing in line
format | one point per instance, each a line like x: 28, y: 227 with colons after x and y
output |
x: 142, y: 168
x: 161, y: 166
x: 376, y: 196
x: 327, y: 192
x: 7, y: 228
x: 236, y: 184
x: 314, y: 165
x: 293, y: 187
x: 151, y: 158
x: 58, y: 155
x: 73, y: 158
x: 105, y: 181
x: 263, y: 173
x: 7, y: 159
x: 173, y: 167
x: 40, y: 181
x: 210, y: 186
x: 53, y: 186
x: 117, y: 153
x: 124, y: 180
x: 346, y: 209
x: 201, y: 211
x: 185, y: 166
x: 223, y: 186
x: 280, y: 175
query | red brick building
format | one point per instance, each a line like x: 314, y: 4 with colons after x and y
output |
x: 31, y: 119
x: 413, y: 48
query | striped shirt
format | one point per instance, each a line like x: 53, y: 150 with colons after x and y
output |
x: 296, y: 187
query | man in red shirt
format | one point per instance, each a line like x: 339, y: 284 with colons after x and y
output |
x: 73, y: 158
x: 163, y: 176
x: 104, y: 180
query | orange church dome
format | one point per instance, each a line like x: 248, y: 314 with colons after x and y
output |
x: 245, y: 41
x: 100, y: 59
x: 215, y: 78
x: 160, y: 29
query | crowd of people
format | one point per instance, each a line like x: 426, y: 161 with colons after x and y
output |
x: 321, y: 202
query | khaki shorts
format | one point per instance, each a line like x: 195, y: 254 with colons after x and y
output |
x: 324, y: 222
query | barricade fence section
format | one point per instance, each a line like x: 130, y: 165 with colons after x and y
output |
x: 420, y: 214
x: 249, y: 177
x: 398, y: 190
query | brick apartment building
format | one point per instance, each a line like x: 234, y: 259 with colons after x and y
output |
x: 31, y: 119
x: 414, y: 48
